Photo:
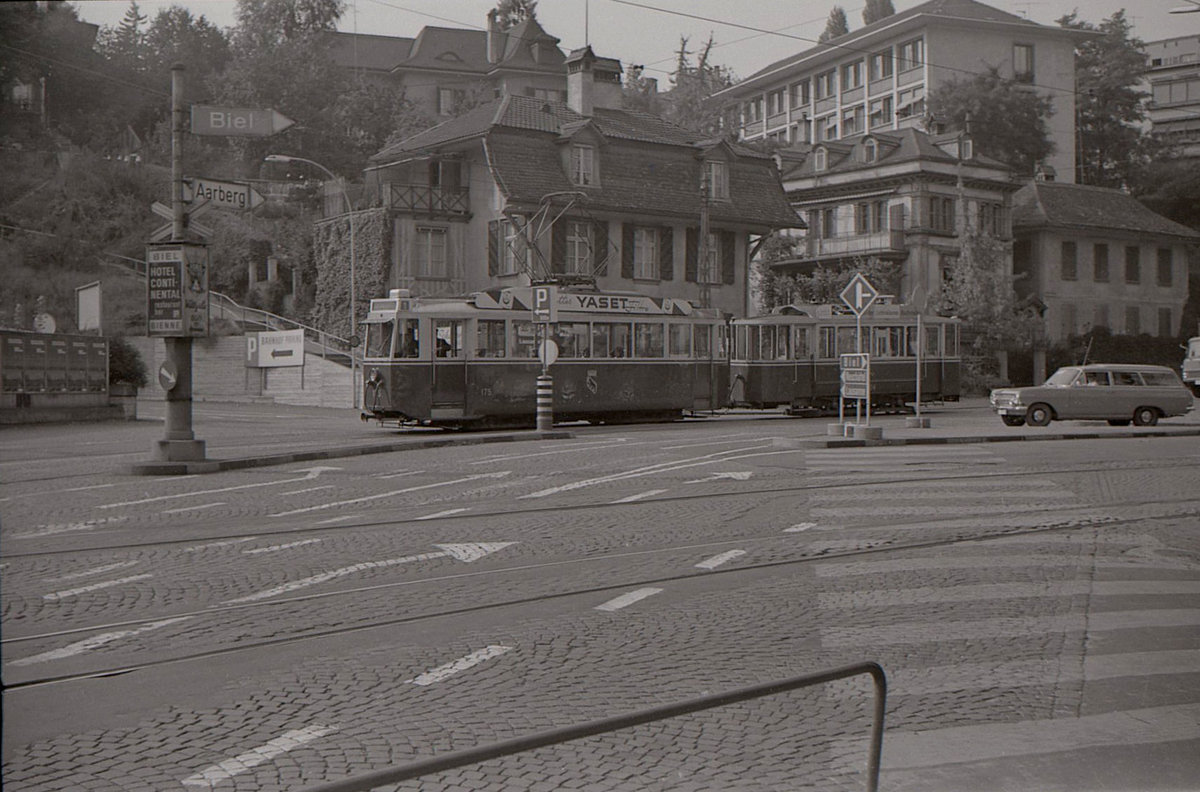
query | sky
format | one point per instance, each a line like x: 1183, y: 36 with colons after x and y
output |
x: 748, y: 35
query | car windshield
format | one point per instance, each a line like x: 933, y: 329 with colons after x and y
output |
x: 1064, y: 376
x: 1194, y: 347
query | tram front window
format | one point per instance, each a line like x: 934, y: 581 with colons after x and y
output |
x: 379, y: 338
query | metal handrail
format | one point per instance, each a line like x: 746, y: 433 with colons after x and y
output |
x: 437, y: 764
x: 244, y: 314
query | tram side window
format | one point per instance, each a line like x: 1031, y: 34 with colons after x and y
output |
x: 409, y: 345
x: 933, y: 346
x: 722, y: 350
x: 610, y: 340
x: 379, y: 338
x: 489, y: 338
x: 781, y: 342
x: 800, y: 347
x: 952, y: 340
x: 741, y: 347
x: 573, y: 340
x: 447, y: 338
x: 828, y: 343
x: 702, y: 341
x: 847, y: 340
x: 524, y: 340
x: 766, y: 343
x: 679, y: 340
x: 888, y: 342
x: 648, y: 339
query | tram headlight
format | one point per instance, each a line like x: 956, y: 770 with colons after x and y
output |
x: 375, y: 376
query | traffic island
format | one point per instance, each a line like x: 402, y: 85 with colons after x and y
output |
x: 917, y: 422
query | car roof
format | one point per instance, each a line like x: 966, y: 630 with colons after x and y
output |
x: 1121, y: 367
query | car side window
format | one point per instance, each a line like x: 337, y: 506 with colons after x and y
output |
x: 1159, y: 378
x: 1126, y: 378
x: 1094, y: 378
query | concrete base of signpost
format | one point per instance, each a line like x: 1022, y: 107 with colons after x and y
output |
x: 836, y: 429
x: 179, y: 450
x: 915, y: 422
x: 862, y: 432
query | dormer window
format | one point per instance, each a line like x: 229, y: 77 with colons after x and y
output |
x: 716, y: 179
x: 870, y: 150
x: 820, y: 160
x: 583, y: 165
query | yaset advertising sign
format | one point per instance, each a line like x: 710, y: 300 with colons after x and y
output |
x: 177, y: 290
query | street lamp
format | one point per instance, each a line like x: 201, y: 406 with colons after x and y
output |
x: 350, y: 212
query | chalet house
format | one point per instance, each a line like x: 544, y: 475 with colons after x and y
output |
x: 1095, y: 257
x: 900, y: 196
x: 526, y: 189
x: 449, y: 69
x: 877, y: 78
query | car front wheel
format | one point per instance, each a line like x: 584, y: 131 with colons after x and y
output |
x: 1013, y: 420
x: 1145, y: 416
x: 1039, y: 415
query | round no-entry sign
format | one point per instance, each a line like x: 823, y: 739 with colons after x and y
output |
x: 548, y: 352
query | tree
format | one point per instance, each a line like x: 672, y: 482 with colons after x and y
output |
x: 876, y: 10
x: 1008, y: 122
x: 688, y: 103
x: 836, y: 26
x: 1110, y: 112
x: 510, y: 13
x: 824, y: 285
x: 640, y: 92
x: 265, y: 24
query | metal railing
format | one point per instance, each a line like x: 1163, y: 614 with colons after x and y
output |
x: 323, y: 343
x: 450, y: 761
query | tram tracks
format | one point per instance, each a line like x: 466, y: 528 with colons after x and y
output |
x: 1183, y: 508
x: 390, y: 523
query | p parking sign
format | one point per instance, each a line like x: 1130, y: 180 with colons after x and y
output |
x: 545, y: 304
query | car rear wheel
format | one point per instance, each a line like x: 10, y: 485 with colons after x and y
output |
x: 1118, y: 422
x: 1013, y: 420
x: 1039, y: 414
x: 1145, y: 416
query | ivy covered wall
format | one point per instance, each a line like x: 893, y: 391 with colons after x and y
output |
x: 372, y: 257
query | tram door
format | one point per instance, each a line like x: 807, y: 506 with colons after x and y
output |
x: 449, y: 368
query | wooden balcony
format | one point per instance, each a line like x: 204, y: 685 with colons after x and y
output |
x: 425, y: 200
x: 884, y: 244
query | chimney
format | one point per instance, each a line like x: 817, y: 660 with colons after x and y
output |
x: 581, y: 80
x: 592, y: 82
x: 493, y: 36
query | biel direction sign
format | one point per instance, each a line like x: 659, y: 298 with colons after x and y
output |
x: 237, y: 121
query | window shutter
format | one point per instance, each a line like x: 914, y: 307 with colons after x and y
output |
x: 666, y: 253
x: 627, y: 251
x: 558, y: 246
x: 692, y: 262
x: 494, y: 248
x: 600, y: 252
x: 728, y: 259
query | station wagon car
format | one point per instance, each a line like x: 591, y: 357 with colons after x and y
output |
x: 1111, y: 392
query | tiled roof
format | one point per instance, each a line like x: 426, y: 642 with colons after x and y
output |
x: 1042, y: 204
x: 366, y: 51
x: 896, y: 146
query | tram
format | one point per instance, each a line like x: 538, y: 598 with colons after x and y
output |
x: 473, y: 362
x: 791, y: 357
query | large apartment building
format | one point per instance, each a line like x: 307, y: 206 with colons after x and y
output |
x: 877, y: 78
x: 1174, y: 77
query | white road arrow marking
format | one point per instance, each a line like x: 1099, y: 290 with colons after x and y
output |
x: 288, y: 546
x: 461, y: 552
x: 445, y: 513
x: 212, y: 776
x: 798, y: 527
x: 461, y: 664
x: 377, y: 496
x: 59, y: 595
x: 50, y: 530
x: 95, y: 642
x: 743, y: 475
x: 310, y: 473
x: 640, y: 496
x: 717, y: 560
x: 626, y: 600
x: 93, y: 571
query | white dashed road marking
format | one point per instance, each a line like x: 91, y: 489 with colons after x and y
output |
x: 93, y: 571
x: 445, y: 513
x: 59, y: 595
x: 717, y: 560
x: 626, y: 600
x: 242, y: 763
x: 640, y: 496
x: 462, y: 664
x: 377, y: 496
x: 95, y: 642
x: 288, y: 546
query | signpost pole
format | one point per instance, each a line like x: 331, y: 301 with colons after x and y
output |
x: 179, y: 442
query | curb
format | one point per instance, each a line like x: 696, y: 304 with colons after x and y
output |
x: 851, y: 443
x: 181, y: 468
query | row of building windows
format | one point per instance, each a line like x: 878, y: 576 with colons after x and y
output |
x: 1069, y: 264
x: 840, y: 81
x: 584, y: 171
x: 871, y: 217
x: 1101, y: 318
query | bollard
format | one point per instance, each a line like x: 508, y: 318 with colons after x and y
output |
x: 545, y: 403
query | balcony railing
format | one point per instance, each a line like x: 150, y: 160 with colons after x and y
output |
x: 427, y: 200
x: 879, y: 243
